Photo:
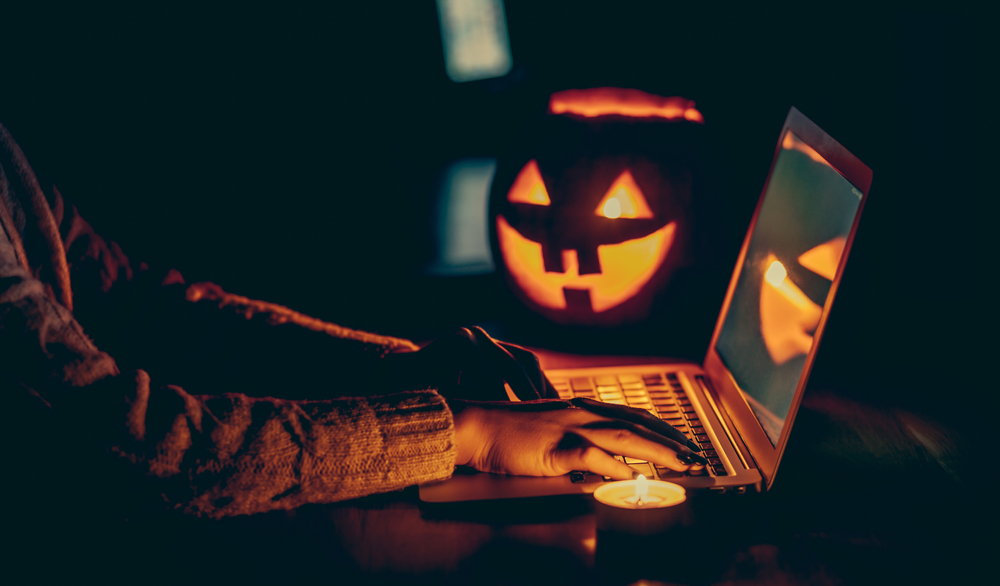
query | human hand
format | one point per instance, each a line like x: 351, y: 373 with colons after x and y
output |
x: 551, y: 438
x: 469, y: 364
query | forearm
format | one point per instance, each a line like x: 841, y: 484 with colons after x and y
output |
x: 232, y: 454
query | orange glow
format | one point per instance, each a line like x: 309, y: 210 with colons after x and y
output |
x: 624, y: 200
x: 787, y: 317
x: 790, y: 142
x: 606, y: 101
x: 823, y: 259
x: 694, y: 116
x: 528, y: 187
x: 625, y: 268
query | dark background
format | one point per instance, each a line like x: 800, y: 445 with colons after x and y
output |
x: 291, y: 155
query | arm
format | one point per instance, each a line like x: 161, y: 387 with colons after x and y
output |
x: 209, y: 455
x: 214, y: 455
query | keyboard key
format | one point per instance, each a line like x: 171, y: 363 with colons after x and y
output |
x: 642, y: 469
x: 615, y: 401
x: 652, y: 378
x: 721, y: 471
x: 606, y: 397
x: 715, y: 462
x: 668, y: 473
x: 608, y: 388
x: 709, y: 453
x: 664, y: 402
x: 634, y: 460
x: 658, y: 387
x: 687, y: 408
x: 702, y: 438
x: 671, y: 376
x: 634, y: 393
x: 633, y: 386
x: 581, y: 384
x: 606, y: 380
x: 630, y: 378
x: 641, y: 405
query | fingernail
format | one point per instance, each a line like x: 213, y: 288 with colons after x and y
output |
x: 691, y: 459
x: 694, y: 447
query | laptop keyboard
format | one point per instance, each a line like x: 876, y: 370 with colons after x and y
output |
x: 661, y: 395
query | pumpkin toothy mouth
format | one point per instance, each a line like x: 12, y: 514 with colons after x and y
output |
x: 625, y: 268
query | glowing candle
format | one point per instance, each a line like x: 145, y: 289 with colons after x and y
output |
x: 640, y: 506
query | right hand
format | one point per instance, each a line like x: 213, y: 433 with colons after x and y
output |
x: 552, y: 438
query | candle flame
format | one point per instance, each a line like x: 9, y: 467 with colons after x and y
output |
x: 641, y: 486
x: 775, y: 274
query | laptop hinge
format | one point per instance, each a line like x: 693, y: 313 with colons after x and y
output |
x: 727, y: 424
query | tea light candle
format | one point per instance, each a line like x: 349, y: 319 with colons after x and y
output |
x: 640, y: 506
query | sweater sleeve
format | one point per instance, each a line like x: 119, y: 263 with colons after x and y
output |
x: 232, y: 454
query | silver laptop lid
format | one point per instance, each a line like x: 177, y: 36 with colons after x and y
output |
x: 783, y: 286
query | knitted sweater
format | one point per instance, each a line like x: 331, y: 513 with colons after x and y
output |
x: 225, y: 452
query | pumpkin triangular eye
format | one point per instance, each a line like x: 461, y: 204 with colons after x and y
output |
x: 624, y: 200
x: 528, y: 187
x: 823, y: 259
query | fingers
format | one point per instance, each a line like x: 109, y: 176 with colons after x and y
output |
x: 637, y: 416
x: 529, y: 362
x: 628, y: 439
x: 593, y: 459
x: 508, y: 367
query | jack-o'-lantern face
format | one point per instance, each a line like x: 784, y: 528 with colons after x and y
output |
x: 788, y: 317
x: 604, y: 261
x: 585, y: 226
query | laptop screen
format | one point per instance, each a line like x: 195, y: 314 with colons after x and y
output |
x: 791, y: 262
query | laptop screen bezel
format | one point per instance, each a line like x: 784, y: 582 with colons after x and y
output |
x: 765, y: 454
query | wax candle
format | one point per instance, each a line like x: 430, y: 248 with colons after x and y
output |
x: 640, y: 507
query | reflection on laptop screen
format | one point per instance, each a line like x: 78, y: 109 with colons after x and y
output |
x: 790, y: 265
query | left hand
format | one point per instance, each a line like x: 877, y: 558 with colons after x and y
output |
x: 469, y: 364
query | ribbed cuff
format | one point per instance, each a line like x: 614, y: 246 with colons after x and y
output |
x: 418, y: 437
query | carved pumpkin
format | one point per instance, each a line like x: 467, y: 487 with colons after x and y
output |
x: 593, y: 216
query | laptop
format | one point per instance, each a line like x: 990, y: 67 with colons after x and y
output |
x: 740, y: 403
